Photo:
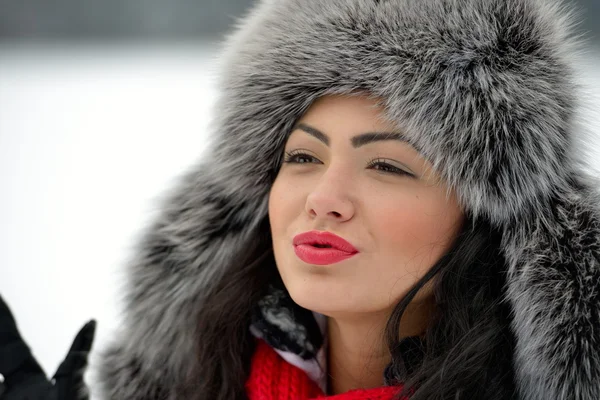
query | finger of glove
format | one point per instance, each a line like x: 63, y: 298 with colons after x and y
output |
x: 69, y: 375
x: 14, y: 352
x: 78, y: 353
x: 17, y: 363
x: 84, y: 338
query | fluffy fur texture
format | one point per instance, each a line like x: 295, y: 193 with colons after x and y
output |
x: 483, y: 89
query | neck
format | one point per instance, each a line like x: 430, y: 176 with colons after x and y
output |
x: 357, y: 353
x: 356, y: 356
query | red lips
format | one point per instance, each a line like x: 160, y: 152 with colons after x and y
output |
x: 322, y: 248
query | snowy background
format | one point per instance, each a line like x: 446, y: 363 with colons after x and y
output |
x: 88, y: 138
x: 91, y: 133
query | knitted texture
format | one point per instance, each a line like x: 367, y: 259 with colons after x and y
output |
x: 272, y: 378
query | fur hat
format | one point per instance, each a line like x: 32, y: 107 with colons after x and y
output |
x: 483, y: 89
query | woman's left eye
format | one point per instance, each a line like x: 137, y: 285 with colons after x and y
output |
x: 382, y: 166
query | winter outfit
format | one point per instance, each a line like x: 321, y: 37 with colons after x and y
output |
x: 483, y: 89
x: 273, y: 378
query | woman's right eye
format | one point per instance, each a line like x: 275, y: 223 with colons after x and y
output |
x: 298, y: 157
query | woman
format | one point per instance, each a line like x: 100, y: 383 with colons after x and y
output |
x: 429, y: 146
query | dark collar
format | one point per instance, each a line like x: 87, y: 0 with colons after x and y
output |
x: 286, y: 326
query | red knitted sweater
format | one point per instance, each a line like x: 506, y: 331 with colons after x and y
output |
x: 273, y: 378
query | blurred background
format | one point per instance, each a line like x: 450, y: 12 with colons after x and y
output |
x: 102, y: 104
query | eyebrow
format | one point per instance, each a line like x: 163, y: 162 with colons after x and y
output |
x: 357, y: 141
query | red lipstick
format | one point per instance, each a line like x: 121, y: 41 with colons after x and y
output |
x: 322, y: 248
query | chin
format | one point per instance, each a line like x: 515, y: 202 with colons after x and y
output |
x: 316, y: 293
x: 316, y: 287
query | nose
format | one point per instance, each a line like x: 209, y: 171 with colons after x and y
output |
x: 329, y: 199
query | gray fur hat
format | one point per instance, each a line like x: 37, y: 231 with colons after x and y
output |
x: 483, y: 89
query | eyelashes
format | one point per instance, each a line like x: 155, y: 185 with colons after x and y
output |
x: 294, y: 155
x: 379, y: 164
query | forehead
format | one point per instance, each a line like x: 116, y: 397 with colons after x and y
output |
x: 347, y: 113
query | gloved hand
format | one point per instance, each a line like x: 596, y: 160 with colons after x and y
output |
x: 24, y: 379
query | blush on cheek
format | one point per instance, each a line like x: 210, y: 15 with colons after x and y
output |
x: 416, y: 232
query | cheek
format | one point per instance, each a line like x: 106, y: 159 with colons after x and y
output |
x: 276, y: 201
x: 284, y: 205
x: 417, y: 229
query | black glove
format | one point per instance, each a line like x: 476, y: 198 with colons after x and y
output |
x: 24, y: 379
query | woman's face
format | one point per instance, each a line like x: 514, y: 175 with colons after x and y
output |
x: 380, y: 196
